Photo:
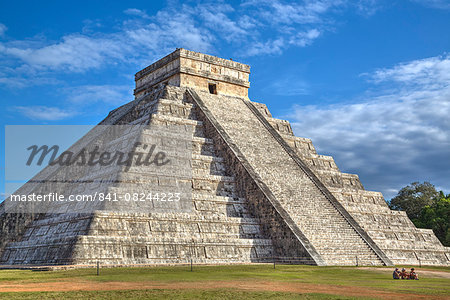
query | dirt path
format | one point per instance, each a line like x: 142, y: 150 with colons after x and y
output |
x: 295, y: 287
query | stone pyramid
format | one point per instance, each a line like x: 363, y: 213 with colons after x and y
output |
x: 258, y: 193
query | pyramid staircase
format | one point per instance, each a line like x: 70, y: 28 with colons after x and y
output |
x: 329, y: 232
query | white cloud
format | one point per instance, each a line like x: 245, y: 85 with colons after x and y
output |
x: 24, y: 82
x: 367, y: 7
x: 90, y: 94
x: 247, y: 22
x: 439, y: 4
x: 268, y: 47
x: 253, y: 28
x: 433, y: 71
x: 180, y: 28
x: 278, y: 12
x: 3, y: 29
x: 45, y: 113
x: 77, y: 100
x: 178, y: 31
x: 215, y: 18
x: 277, y: 46
x: 134, y: 42
x: 136, y: 12
x: 401, y: 134
x: 75, y: 53
x: 303, y: 39
x: 289, y: 24
x: 198, y: 27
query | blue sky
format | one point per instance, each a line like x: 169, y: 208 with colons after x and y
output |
x: 368, y: 81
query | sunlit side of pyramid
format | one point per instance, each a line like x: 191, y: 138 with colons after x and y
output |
x: 259, y: 193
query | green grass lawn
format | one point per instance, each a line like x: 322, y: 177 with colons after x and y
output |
x: 336, y: 276
x: 169, y: 294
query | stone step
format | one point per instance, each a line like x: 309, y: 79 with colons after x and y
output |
x: 121, y: 222
x: 174, y: 93
x: 204, y: 167
x: 175, y: 102
x: 205, y: 171
x: 217, y: 187
x: 207, y: 158
x: 343, y: 245
x: 202, y: 140
x: 176, y: 217
x: 231, y: 237
x: 202, y: 146
x: 303, y: 146
x: 358, y: 193
x: 330, y: 249
x: 134, y: 178
x: 177, y: 120
x: 334, y: 262
x: 174, y: 108
x: 232, y: 240
x: 222, y: 208
x: 197, y: 126
x: 369, y: 208
x: 340, y: 232
x: 214, y: 198
x: 215, y: 178
x: 188, y: 241
x: 351, y: 257
x: 336, y: 236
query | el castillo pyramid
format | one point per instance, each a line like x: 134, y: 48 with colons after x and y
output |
x: 257, y: 193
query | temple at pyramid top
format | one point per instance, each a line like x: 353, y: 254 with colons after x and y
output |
x: 184, y: 68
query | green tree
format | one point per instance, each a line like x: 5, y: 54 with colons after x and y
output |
x: 437, y: 217
x: 413, y: 198
x: 426, y: 208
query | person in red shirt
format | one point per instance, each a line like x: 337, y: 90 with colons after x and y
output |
x: 404, y: 274
x: 413, y: 275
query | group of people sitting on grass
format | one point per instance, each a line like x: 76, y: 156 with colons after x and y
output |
x: 405, y: 275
